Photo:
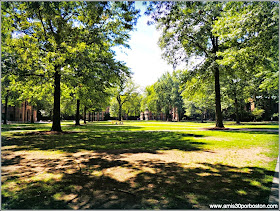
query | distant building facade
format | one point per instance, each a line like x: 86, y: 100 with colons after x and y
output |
x: 21, y: 113
x: 251, y: 104
x: 98, y: 116
x: 148, y: 115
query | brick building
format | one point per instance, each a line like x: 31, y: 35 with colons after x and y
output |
x: 148, y: 115
x: 21, y: 113
x: 100, y: 116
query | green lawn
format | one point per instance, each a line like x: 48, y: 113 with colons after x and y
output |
x: 137, y: 165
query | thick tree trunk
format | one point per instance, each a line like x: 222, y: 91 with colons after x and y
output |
x: 89, y: 116
x: 56, y: 126
x: 85, y: 115
x: 120, y: 112
x: 78, y: 113
x: 218, y: 115
x: 201, y: 116
x: 6, y: 109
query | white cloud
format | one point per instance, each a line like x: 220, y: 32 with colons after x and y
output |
x: 144, y: 57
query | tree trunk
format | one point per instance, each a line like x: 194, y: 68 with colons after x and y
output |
x: 120, y: 107
x: 120, y: 112
x: 78, y: 113
x: 270, y: 108
x: 14, y: 114
x: 32, y: 116
x: 25, y: 113
x: 237, y: 118
x: 218, y: 116
x: 56, y: 126
x: 51, y: 115
x: 85, y: 115
x: 6, y: 109
x: 201, y: 116
x: 89, y: 116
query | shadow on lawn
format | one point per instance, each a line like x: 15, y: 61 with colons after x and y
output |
x: 271, y: 131
x: 170, y: 186
x: 35, y: 126
x: 103, y: 127
x: 116, y: 142
x: 19, y: 128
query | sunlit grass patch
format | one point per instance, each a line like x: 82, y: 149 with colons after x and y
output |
x: 242, y: 192
x: 45, y: 177
x: 64, y: 197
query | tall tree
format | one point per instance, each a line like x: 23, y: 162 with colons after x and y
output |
x: 168, y: 93
x: 123, y: 93
x: 150, y: 100
x: 198, y: 97
x: 187, y: 32
x: 132, y: 106
x: 58, y: 30
x: 250, y: 32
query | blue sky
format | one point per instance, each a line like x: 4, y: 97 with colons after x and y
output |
x: 144, y: 57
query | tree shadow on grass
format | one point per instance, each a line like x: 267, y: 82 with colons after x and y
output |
x: 253, y: 131
x: 104, y: 127
x: 118, y: 142
x: 25, y: 126
x: 260, y: 123
x: 168, y: 186
x: 12, y: 161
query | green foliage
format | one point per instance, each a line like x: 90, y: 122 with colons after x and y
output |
x: 71, y: 40
x: 164, y: 95
x: 186, y: 34
x: 150, y: 100
x: 276, y: 115
x: 114, y: 108
x: 124, y: 93
x: 168, y: 92
x: 257, y: 112
x: 249, y: 32
x: 236, y: 41
x: 132, y: 106
x: 198, y: 97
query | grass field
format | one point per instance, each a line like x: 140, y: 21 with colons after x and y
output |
x: 137, y: 165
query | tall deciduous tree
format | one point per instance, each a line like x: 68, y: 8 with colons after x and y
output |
x: 132, y: 106
x: 55, y: 31
x: 123, y: 93
x: 149, y: 100
x: 186, y: 32
x: 250, y: 32
x: 168, y: 93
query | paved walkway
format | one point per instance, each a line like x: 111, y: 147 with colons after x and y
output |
x: 274, y: 195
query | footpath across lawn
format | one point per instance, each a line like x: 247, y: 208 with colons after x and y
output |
x: 137, y: 165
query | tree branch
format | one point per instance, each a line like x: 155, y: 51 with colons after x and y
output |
x: 40, y: 17
x: 197, y: 44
